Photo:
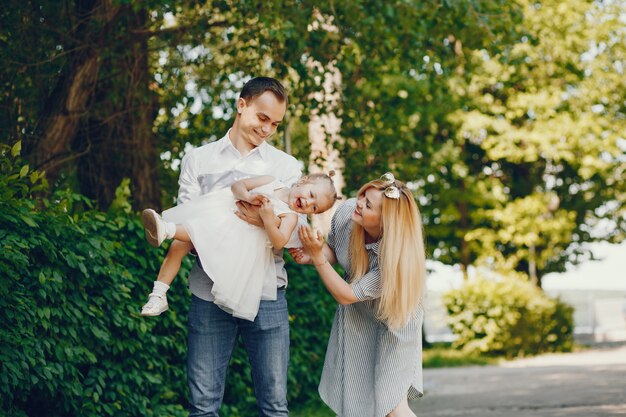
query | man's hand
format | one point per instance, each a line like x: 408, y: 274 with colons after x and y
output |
x: 249, y: 213
x: 257, y: 199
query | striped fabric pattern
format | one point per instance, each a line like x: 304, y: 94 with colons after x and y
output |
x: 369, y: 368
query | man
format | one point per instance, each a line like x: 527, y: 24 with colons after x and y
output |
x: 243, y: 152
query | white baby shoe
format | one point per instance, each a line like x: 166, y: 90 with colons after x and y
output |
x: 154, y: 226
x: 156, y: 305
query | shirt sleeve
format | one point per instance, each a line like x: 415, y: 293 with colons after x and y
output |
x: 338, y: 224
x: 369, y: 286
x: 188, y: 185
x: 330, y: 240
x: 291, y: 173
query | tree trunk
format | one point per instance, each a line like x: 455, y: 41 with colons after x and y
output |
x: 324, y: 132
x: 70, y: 100
x: 457, y: 48
x: 464, y: 247
x: 119, y: 131
x: 464, y: 221
x: 99, y: 116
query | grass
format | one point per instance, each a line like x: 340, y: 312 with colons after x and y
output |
x: 443, y: 356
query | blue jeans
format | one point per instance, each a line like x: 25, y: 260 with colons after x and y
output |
x: 211, y: 340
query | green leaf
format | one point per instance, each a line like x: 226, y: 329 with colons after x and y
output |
x: 34, y: 176
x: 16, y: 149
x: 29, y: 221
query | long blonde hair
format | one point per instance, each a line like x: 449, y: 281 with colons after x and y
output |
x: 401, y: 256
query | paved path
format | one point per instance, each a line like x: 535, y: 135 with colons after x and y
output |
x: 583, y: 384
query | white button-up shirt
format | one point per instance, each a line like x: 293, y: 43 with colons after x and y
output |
x: 217, y: 165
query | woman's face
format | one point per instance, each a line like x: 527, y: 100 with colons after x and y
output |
x: 368, y: 209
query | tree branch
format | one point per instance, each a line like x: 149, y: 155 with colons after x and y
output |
x: 149, y: 33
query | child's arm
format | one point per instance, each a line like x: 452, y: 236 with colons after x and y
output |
x: 241, y: 189
x: 278, y: 233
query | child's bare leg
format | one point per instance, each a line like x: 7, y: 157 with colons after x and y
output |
x: 171, y: 264
x: 182, y: 235
x: 157, y: 303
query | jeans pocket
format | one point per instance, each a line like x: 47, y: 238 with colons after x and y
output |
x: 273, y: 314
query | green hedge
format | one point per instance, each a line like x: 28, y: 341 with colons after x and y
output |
x: 73, y: 343
x: 74, y: 279
x: 508, y: 317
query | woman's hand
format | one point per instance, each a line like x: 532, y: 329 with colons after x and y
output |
x: 313, y: 243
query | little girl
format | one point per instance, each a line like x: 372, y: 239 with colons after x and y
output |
x: 235, y: 255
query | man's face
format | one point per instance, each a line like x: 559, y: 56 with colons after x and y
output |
x: 259, y: 117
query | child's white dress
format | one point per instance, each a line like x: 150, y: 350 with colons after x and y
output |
x: 237, y: 256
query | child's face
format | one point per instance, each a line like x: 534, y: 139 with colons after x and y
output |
x: 310, y: 198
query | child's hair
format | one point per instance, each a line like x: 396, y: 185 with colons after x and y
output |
x: 327, y: 178
x: 259, y: 85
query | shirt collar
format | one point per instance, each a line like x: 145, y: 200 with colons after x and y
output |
x: 263, y: 150
x: 225, y: 143
x: 375, y: 246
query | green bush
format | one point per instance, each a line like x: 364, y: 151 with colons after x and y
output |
x: 73, y: 343
x: 73, y: 283
x: 508, y: 317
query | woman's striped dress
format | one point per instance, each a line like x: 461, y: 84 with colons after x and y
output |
x: 369, y: 368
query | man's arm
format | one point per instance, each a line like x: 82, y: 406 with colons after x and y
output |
x: 290, y: 172
x: 188, y: 185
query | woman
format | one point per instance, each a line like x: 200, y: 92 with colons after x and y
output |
x: 373, y: 361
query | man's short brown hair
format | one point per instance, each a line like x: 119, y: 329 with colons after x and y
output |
x: 259, y: 85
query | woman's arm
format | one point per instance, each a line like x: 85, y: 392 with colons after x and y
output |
x: 329, y: 254
x: 241, y: 189
x: 314, y: 244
